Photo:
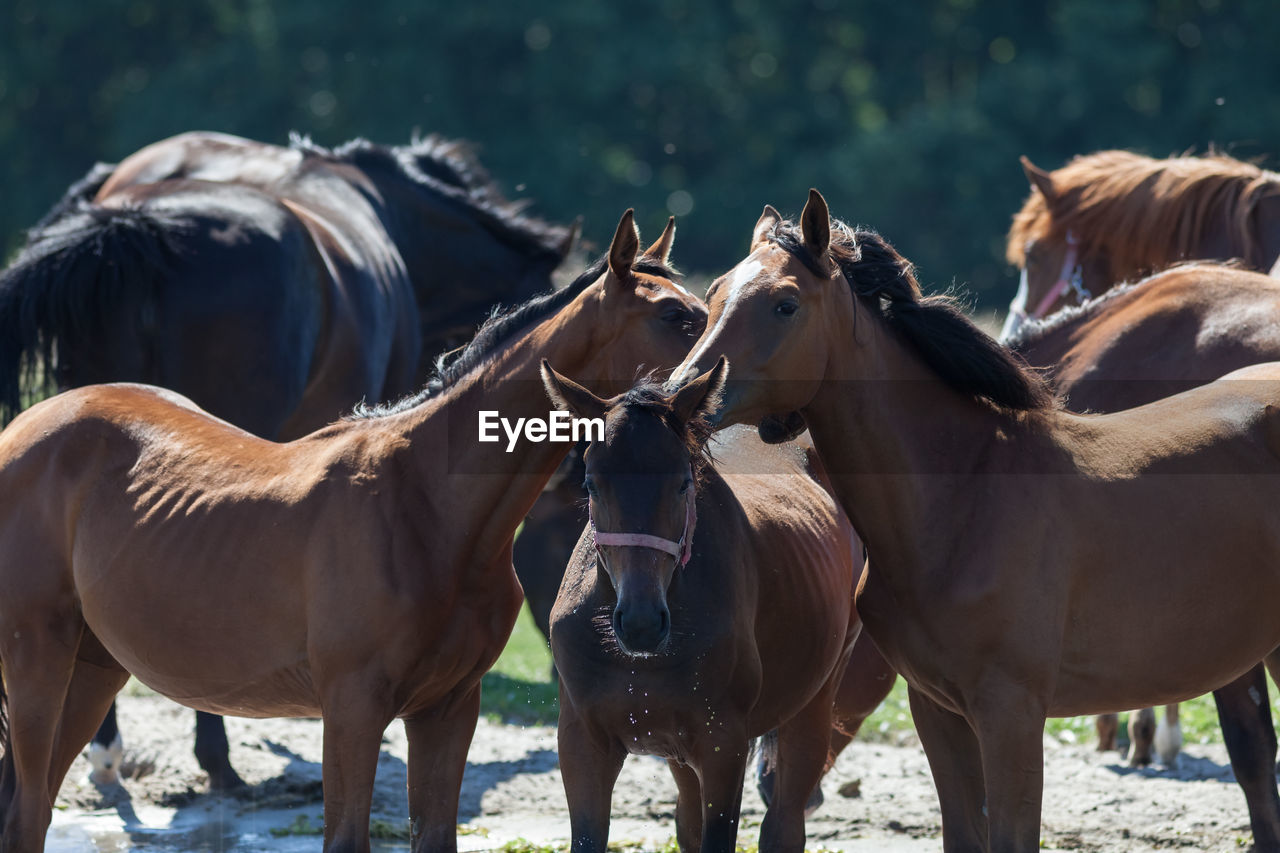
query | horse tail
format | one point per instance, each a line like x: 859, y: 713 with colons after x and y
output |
x: 85, y: 271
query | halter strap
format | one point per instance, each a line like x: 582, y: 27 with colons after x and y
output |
x: 682, y: 550
x: 1070, y: 277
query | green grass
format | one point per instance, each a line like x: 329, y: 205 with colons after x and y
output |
x: 519, y: 688
x: 891, y: 722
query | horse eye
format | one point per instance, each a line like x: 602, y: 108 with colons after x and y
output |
x: 590, y: 485
x: 675, y: 316
x: 686, y: 485
x: 786, y: 308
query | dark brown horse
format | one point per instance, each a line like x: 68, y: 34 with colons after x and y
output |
x: 360, y: 573
x: 704, y: 606
x: 275, y: 287
x: 1115, y: 216
x: 1006, y: 536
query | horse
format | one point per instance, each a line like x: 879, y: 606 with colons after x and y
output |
x: 1136, y: 344
x: 359, y: 573
x: 276, y: 287
x: 1115, y: 216
x: 1006, y: 535
x: 705, y: 605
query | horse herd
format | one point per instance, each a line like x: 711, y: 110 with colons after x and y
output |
x: 239, y: 537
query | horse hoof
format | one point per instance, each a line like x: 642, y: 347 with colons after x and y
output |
x: 1168, y: 743
x: 225, y: 780
x: 105, y: 761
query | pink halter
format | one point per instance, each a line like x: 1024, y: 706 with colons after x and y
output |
x: 681, y: 550
x: 1071, y: 277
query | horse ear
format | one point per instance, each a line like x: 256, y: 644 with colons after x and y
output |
x: 1039, y: 179
x: 815, y: 225
x: 702, y: 395
x: 625, y: 246
x: 570, y: 239
x: 764, y: 225
x: 569, y: 396
x: 662, y: 249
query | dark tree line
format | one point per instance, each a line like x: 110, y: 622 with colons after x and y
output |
x: 909, y: 116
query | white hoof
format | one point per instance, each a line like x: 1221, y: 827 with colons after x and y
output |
x: 105, y: 761
x: 1168, y: 742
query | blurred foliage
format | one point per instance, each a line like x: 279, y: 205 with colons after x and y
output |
x: 909, y: 116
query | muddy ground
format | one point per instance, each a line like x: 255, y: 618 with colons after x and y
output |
x: 879, y: 797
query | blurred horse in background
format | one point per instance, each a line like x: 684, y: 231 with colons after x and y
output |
x: 1114, y: 216
x: 274, y: 286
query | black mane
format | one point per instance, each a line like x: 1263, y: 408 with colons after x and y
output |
x: 449, y: 168
x: 500, y: 328
x: 964, y: 356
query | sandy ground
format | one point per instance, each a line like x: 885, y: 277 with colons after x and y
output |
x: 879, y: 797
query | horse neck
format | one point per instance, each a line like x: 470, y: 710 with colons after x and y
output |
x: 900, y: 445
x: 480, y: 486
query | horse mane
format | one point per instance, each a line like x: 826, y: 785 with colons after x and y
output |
x: 649, y: 396
x: 500, y: 328
x: 77, y: 195
x: 1146, y: 212
x: 450, y: 168
x: 962, y: 355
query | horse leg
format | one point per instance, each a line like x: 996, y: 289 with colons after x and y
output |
x: 1168, y: 739
x: 1108, y: 726
x: 38, y: 663
x: 213, y: 753
x: 1142, y: 732
x: 353, y: 725
x: 803, y: 749
x: 868, y: 678
x: 688, y: 806
x: 1245, y: 717
x: 589, y: 769
x: 1009, y: 722
x: 438, y: 742
x: 90, y: 696
x: 956, y: 763
x: 722, y: 768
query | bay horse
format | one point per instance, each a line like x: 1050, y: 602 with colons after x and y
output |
x: 1139, y: 343
x: 1136, y: 344
x: 359, y: 573
x: 1006, y: 535
x: 705, y: 605
x: 1114, y: 216
x: 276, y: 287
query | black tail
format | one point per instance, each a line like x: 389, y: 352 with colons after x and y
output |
x: 81, y: 265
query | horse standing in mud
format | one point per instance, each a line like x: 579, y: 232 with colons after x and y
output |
x: 1114, y: 216
x: 275, y: 287
x: 360, y: 573
x: 705, y: 605
x: 1006, y: 536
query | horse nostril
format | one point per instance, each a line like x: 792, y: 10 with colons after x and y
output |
x: 664, y: 623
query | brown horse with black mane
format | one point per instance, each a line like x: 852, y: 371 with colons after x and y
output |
x: 706, y: 604
x: 359, y: 573
x: 1114, y: 216
x: 1006, y: 536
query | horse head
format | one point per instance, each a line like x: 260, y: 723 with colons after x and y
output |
x: 641, y: 481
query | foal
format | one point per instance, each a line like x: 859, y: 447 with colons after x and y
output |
x: 358, y: 574
x: 705, y: 605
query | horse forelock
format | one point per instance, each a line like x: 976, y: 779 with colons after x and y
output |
x: 649, y: 396
x: 1146, y: 212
